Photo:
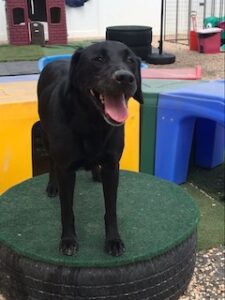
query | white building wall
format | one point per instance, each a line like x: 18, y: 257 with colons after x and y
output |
x: 91, y: 20
x: 3, y: 23
x: 128, y: 12
x: 83, y: 21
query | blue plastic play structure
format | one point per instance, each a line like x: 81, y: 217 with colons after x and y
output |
x: 47, y: 59
x: 179, y: 112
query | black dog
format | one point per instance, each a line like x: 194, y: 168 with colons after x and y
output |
x: 83, y: 106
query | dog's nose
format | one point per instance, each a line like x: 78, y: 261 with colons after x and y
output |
x: 125, y: 77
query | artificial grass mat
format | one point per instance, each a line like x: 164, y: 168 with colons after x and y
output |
x: 207, y: 188
x: 34, y: 52
x: 211, y: 181
x: 211, y: 224
x: 154, y: 216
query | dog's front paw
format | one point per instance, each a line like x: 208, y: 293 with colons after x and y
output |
x: 68, y: 246
x: 114, y: 247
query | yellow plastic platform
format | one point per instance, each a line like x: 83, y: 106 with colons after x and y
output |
x: 18, y: 114
x: 130, y: 157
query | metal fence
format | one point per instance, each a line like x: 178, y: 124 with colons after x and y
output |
x: 177, y: 18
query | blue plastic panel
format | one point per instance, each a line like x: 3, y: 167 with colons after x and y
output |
x: 176, y: 119
x: 203, y: 100
x: 47, y: 59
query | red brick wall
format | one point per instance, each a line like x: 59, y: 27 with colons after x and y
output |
x: 18, y: 33
x: 57, y: 31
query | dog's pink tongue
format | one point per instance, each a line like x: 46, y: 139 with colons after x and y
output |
x: 116, y: 108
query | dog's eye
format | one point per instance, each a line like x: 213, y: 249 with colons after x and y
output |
x: 130, y: 59
x: 99, y: 58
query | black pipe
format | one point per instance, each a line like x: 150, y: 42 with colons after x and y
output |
x: 161, y: 28
x: 161, y: 58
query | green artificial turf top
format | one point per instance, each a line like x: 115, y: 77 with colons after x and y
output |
x: 154, y: 216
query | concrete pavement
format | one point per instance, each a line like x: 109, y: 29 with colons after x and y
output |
x: 18, y: 68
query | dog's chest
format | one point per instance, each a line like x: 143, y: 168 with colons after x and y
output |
x: 92, y: 147
x: 93, y: 150
x: 98, y: 145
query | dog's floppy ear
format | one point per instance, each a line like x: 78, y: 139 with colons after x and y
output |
x: 74, y: 64
x: 138, y: 94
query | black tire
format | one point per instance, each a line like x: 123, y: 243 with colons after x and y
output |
x: 142, y: 52
x: 132, y: 36
x: 162, y: 277
x: 161, y: 59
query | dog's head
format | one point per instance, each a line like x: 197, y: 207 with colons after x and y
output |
x: 107, y: 73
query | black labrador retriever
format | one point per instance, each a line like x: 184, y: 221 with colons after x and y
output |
x: 82, y: 106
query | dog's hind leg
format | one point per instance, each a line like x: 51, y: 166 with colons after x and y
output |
x: 96, y: 173
x: 110, y: 179
x: 52, y: 187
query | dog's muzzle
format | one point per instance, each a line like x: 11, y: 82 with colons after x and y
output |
x: 112, y: 102
x: 124, y: 77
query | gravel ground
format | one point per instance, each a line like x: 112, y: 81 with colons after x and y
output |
x: 208, y: 281
x: 209, y: 275
x: 212, y: 64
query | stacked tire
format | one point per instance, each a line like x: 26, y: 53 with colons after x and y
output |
x: 138, y: 38
x: 161, y: 278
